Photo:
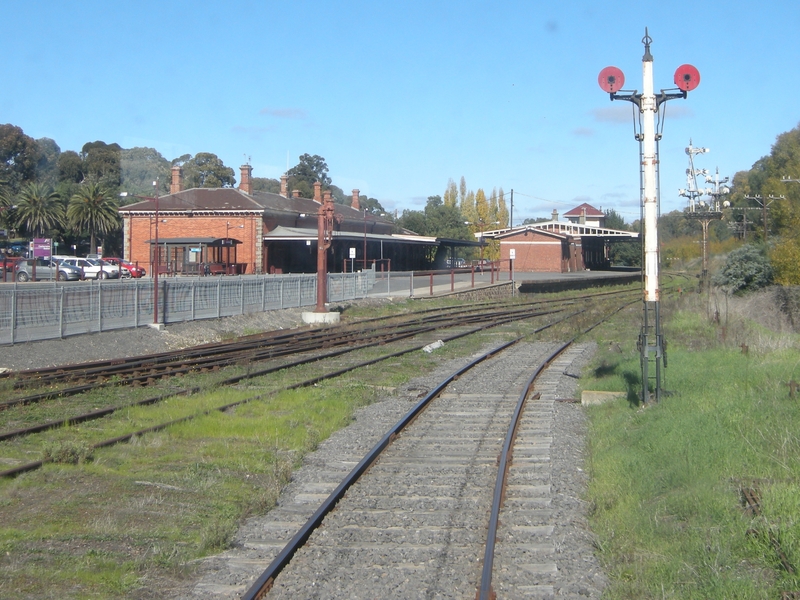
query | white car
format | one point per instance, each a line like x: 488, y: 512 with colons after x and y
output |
x: 94, y: 268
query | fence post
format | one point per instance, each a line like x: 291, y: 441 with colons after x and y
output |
x: 99, y: 305
x: 219, y: 296
x: 14, y: 313
x: 194, y: 287
x: 136, y: 304
x: 411, y: 280
x: 263, y: 294
x: 281, y: 293
x: 61, y: 314
x: 241, y: 294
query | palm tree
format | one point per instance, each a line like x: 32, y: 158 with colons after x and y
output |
x: 39, y: 209
x: 93, y: 208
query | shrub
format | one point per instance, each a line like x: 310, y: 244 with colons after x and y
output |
x: 746, y: 269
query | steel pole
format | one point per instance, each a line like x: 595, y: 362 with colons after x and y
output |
x: 155, y: 261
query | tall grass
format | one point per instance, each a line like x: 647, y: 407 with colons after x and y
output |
x: 667, y: 479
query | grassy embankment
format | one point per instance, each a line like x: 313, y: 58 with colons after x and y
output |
x: 667, y: 479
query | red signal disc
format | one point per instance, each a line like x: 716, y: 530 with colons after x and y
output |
x: 687, y: 77
x: 611, y: 79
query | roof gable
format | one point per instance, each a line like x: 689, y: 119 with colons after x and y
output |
x: 591, y: 211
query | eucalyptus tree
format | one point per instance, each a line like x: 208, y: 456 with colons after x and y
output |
x: 39, y: 209
x: 93, y: 208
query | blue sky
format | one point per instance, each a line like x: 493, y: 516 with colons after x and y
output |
x: 400, y: 97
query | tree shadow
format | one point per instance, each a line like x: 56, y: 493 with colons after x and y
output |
x: 633, y: 382
x: 605, y: 369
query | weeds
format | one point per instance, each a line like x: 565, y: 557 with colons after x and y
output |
x: 66, y: 452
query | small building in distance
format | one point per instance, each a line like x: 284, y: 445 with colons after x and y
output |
x: 560, y: 246
x: 586, y: 214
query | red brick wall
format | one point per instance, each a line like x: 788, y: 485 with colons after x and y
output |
x: 535, y: 252
x: 139, y: 229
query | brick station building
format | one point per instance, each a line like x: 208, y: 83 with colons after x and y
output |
x: 560, y: 246
x: 242, y: 231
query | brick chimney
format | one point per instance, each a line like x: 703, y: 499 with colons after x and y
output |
x: 355, y: 203
x: 318, y: 192
x: 246, y: 182
x: 555, y: 215
x: 295, y: 193
x: 285, y: 186
x: 582, y: 219
x: 327, y: 195
x: 177, y: 180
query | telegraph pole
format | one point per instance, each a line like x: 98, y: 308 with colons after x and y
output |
x: 651, y: 342
x: 764, y: 203
x: 702, y: 211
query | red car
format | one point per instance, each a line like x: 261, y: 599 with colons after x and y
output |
x: 126, y: 269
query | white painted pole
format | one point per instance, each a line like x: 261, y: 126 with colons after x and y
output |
x: 651, y: 291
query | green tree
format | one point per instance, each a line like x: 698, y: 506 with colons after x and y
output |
x: 451, y: 194
x: 47, y: 167
x: 746, y: 269
x: 467, y: 207
x: 70, y: 167
x: 414, y: 221
x: 502, y: 209
x: 39, y: 209
x: 19, y: 157
x: 140, y: 167
x: 93, y: 209
x: 102, y: 163
x: 371, y: 205
x: 266, y: 184
x: 614, y: 220
x: 304, y: 174
x: 206, y: 170
x: 627, y: 253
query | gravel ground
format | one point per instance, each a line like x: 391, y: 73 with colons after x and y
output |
x: 582, y: 574
x: 579, y: 574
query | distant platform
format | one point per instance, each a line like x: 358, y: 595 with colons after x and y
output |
x: 530, y: 283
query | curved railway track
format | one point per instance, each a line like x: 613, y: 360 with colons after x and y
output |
x: 412, y: 525
x: 419, y: 516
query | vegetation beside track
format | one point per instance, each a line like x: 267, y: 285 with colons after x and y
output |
x: 132, y: 520
x: 669, y: 481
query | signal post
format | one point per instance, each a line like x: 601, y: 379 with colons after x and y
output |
x: 611, y: 79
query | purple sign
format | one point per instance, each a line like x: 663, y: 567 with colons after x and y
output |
x: 41, y: 247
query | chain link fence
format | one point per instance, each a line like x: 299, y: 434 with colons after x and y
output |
x: 40, y: 311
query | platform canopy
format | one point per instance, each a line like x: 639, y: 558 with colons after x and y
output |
x: 562, y: 228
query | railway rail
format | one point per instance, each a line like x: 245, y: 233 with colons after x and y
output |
x: 413, y: 517
x: 422, y: 496
x: 405, y: 331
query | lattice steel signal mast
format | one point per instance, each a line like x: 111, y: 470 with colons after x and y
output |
x: 651, y: 340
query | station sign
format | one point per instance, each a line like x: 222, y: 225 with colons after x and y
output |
x: 42, y: 247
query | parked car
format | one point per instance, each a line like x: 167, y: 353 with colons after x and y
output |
x: 126, y: 269
x: 45, y: 269
x: 7, y: 271
x: 455, y: 263
x: 93, y: 268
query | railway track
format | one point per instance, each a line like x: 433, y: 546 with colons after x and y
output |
x: 412, y: 519
x: 499, y: 318
x: 418, y: 516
